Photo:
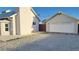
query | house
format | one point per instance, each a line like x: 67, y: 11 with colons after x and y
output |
x: 62, y: 23
x: 27, y: 21
x: 23, y: 22
x: 6, y: 19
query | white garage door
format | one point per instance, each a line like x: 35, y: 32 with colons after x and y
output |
x: 65, y: 27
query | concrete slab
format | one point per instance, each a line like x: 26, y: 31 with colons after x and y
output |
x: 11, y: 37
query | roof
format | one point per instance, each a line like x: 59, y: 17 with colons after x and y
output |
x: 35, y: 13
x: 4, y: 19
x: 6, y: 15
x: 59, y: 13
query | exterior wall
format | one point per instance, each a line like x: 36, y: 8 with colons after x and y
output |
x: 62, y: 18
x: 47, y: 27
x: 2, y: 23
x: 13, y: 25
x: 36, y: 26
x: 65, y: 24
x: 17, y: 22
x: 25, y: 21
x: 76, y: 28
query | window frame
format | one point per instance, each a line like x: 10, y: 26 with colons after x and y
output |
x: 6, y: 27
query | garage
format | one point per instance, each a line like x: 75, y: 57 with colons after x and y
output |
x: 62, y: 23
x: 63, y: 28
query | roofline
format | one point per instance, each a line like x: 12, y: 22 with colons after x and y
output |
x: 13, y: 15
x: 49, y: 18
x: 6, y: 18
x: 35, y: 13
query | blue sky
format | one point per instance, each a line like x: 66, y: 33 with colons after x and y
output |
x: 45, y: 12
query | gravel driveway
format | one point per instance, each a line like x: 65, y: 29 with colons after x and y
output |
x: 43, y: 42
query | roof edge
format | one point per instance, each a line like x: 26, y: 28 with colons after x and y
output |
x: 35, y: 13
x: 46, y: 20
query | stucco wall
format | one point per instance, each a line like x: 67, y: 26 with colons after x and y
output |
x: 13, y: 25
x: 17, y: 23
x: 26, y: 18
x: 3, y: 32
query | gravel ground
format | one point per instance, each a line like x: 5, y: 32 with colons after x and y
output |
x: 43, y: 42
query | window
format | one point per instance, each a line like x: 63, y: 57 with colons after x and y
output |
x: 34, y: 23
x: 6, y: 27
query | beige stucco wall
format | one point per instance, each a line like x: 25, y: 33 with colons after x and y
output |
x: 13, y: 25
x: 25, y: 21
x: 17, y: 22
x: 2, y: 24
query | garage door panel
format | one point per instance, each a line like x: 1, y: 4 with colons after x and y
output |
x: 67, y: 28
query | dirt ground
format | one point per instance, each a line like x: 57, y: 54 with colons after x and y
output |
x: 43, y: 42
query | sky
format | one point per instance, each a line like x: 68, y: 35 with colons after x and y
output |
x: 45, y: 12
